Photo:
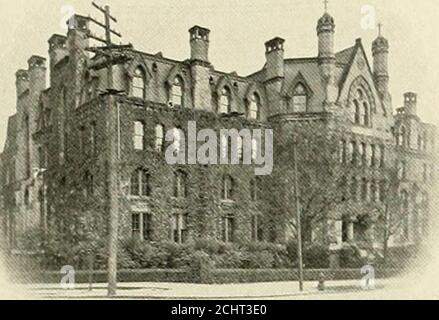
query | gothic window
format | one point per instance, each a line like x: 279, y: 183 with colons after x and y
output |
x: 363, y: 154
x: 227, y: 188
x: 179, y: 228
x: 353, y: 152
x: 300, y: 98
x: 139, y: 135
x: 135, y: 224
x: 361, y: 108
x: 159, y: 137
x: 177, y: 92
x: 255, y: 106
x: 371, y: 155
x: 225, y: 103
x: 140, y: 183
x: 139, y: 83
x: 180, y: 184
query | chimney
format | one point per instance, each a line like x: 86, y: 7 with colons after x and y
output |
x: 22, y: 81
x: 77, y: 36
x: 57, y: 49
x: 410, y: 103
x: 274, y: 53
x: 199, y: 42
x: 37, y: 73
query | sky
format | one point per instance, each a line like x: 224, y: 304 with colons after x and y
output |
x: 239, y: 31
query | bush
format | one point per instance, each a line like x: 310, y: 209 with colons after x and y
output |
x: 350, y: 257
x: 316, y: 256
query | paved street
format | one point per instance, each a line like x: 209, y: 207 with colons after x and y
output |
x: 345, y: 290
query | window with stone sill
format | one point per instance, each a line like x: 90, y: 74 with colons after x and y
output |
x: 140, y: 183
x: 255, y: 107
x: 228, y: 229
x: 227, y: 188
x: 179, y: 228
x: 138, y: 83
x: 300, y: 98
x: 180, y: 185
x: 139, y: 135
x: 159, y: 137
x: 225, y: 101
x: 177, y: 92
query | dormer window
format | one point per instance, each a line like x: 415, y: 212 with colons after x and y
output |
x: 139, y: 83
x: 225, y: 101
x: 255, y: 105
x: 177, y: 92
x: 300, y: 98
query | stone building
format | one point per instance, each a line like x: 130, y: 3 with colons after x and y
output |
x: 55, y: 164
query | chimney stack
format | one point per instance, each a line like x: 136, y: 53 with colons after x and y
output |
x: 274, y: 53
x: 22, y: 81
x: 37, y: 73
x: 199, y: 41
x: 57, y: 49
x: 410, y: 103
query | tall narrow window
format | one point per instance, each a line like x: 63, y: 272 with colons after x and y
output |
x: 228, y: 229
x: 93, y: 137
x: 254, y: 189
x: 139, y: 83
x: 159, y: 137
x: 225, y: 101
x: 27, y: 145
x: 255, y: 105
x: 227, y: 190
x: 180, y: 185
x: 135, y: 225
x: 357, y: 114
x: 179, y: 228
x: 365, y: 114
x: 140, y: 183
x: 256, y: 226
x: 177, y: 92
x: 147, y: 226
x: 27, y: 196
x: 139, y: 135
x: 342, y: 151
x: 354, y: 188
x: 363, y: 154
x: 300, y: 98
x: 364, y: 189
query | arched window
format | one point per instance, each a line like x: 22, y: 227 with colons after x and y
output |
x: 180, y: 184
x: 139, y: 83
x: 255, y: 106
x: 300, y: 98
x: 159, y: 137
x: 365, y: 114
x: 177, y: 92
x: 357, y: 114
x: 139, y: 135
x: 228, y: 188
x: 140, y: 183
x: 225, y: 105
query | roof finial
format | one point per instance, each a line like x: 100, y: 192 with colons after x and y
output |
x: 326, y: 5
x: 380, y: 26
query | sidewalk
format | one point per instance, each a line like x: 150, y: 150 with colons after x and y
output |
x: 179, y: 291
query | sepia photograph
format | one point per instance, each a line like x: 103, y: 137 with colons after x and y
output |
x: 219, y: 151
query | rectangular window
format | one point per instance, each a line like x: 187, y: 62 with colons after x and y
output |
x: 256, y: 229
x: 179, y: 228
x: 228, y: 229
x: 147, y: 226
x: 139, y: 134
x: 299, y: 104
x: 135, y: 224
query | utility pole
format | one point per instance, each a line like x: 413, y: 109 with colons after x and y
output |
x: 112, y: 55
x: 298, y: 218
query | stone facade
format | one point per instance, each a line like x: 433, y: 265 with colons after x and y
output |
x: 55, y: 168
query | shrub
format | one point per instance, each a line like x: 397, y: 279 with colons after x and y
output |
x: 350, y: 257
x: 316, y: 256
